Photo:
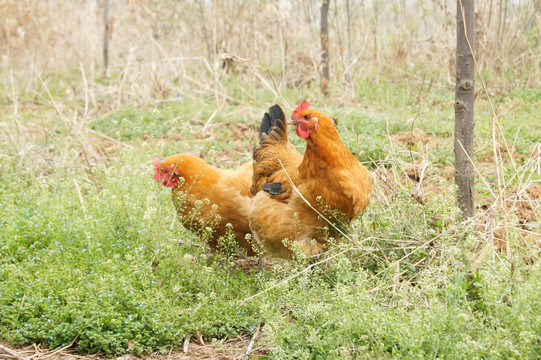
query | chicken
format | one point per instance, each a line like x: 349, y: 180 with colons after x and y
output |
x: 273, y: 149
x: 328, y: 176
x: 208, y: 197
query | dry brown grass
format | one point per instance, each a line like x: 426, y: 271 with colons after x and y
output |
x: 167, y: 48
x: 231, y: 349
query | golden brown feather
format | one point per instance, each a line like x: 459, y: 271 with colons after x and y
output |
x: 328, y: 176
x: 193, y: 181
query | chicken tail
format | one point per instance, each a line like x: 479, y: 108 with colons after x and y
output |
x: 273, y: 127
x: 273, y: 124
x: 271, y: 154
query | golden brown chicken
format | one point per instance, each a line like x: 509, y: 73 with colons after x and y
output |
x: 328, y: 176
x: 208, y: 197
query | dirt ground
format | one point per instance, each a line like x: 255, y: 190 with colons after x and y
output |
x: 232, y: 349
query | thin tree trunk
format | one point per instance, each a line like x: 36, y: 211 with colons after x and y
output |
x: 375, y: 30
x: 205, y: 32
x: 324, y: 47
x: 500, y: 8
x: 350, y: 51
x: 464, y: 106
x: 504, y: 22
x: 489, y: 15
x: 337, y: 31
x: 105, y: 37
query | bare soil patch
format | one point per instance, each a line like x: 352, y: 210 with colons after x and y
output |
x: 412, y: 137
x: 525, y: 202
x: 415, y: 176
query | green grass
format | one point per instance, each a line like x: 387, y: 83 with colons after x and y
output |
x: 91, y: 251
x: 111, y: 272
x: 435, y: 318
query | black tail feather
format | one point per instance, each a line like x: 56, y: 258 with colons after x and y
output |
x: 273, y: 127
x: 266, y: 125
x: 274, y: 188
x: 269, y: 121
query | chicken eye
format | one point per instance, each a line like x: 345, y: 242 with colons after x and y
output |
x: 166, y: 170
x: 307, y: 117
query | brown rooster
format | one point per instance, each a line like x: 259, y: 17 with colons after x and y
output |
x: 208, y: 197
x: 328, y: 176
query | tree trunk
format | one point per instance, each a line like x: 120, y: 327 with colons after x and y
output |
x: 324, y: 47
x: 375, y: 5
x: 464, y: 105
x: 205, y: 32
x: 350, y: 51
x: 105, y: 37
x: 498, y: 39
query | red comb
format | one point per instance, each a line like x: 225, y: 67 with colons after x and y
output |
x: 305, y: 105
x: 156, y: 162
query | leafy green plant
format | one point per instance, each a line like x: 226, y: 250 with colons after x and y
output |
x: 92, y: 252
x: 104, y: 268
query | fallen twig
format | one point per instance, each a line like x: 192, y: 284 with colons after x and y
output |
x: 60, y: 349
x: 251, y: 345
x: 186, y: 345
x: 12, y: 353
